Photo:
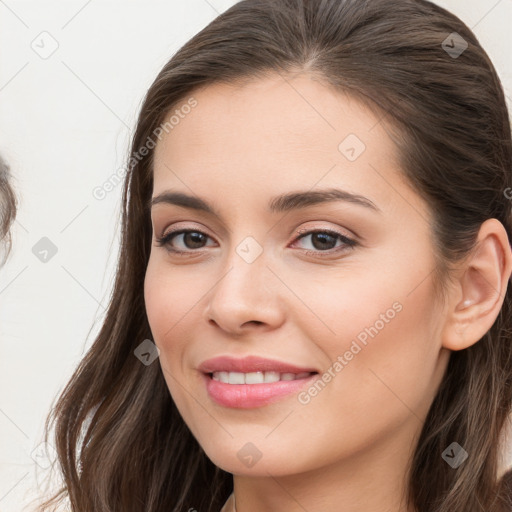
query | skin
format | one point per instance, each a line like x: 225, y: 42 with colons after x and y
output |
x: 350, y: 444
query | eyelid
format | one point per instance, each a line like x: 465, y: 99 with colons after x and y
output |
x: 177, y: 226
x: 338, y: 231
x: 173, y: 219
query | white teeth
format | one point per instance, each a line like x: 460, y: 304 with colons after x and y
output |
x: 236, y: 378
x: 253, y: 378
x: 271, y: 376
x: 256, y: 377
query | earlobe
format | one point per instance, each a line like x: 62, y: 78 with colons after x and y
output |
x: 480, y: 290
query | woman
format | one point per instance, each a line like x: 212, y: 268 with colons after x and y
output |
x: 7, y: 209
x: 311, y: 309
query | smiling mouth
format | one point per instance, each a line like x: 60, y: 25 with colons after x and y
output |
x: 257, y: 377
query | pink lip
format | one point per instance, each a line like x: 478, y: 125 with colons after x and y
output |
x: 250, y: 364
x: 247, y: 396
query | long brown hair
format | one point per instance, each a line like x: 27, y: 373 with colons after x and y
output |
x: 121, y: 442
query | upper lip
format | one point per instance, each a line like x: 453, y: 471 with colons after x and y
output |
x: 250, y: 364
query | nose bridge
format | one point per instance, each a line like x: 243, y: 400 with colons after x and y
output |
x: 246, y: 268
x: 245, y: 292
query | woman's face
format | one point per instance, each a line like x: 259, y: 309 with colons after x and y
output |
x: 354, y: 301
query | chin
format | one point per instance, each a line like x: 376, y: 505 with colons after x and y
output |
x: 245, y: 461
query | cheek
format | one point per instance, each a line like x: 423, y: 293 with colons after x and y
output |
x: 380, y: 319
x: 382, y: 358
x: 169, y: 301
x: 381, y: 312
x: 170, y: 297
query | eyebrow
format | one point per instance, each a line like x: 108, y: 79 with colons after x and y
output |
x: 278, y: 204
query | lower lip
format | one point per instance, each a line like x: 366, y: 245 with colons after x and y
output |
x: 248, y: 396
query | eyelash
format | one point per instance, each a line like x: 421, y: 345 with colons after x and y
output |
x: 349, y: 243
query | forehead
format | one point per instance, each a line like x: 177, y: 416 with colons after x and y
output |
x: 275, y: 113
x: 273, y: 134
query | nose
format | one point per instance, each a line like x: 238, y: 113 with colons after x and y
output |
x: 246, y: 297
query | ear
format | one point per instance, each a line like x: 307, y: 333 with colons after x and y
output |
x: 479, y: 290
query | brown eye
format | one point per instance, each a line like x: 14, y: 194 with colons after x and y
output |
x: 192, y: 239
x: 325, y: 241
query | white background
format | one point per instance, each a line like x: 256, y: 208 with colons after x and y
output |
x: 65, y: 123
